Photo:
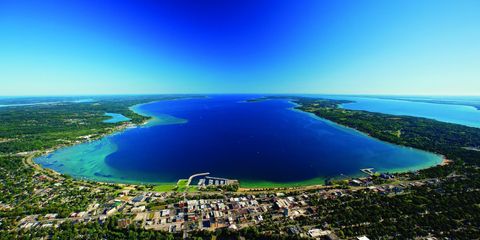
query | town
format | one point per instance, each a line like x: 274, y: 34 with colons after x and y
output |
x: 176, y: 212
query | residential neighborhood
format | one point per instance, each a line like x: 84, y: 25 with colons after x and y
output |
x: 201, y: 211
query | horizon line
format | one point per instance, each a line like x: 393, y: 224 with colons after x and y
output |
x: 236, y: 93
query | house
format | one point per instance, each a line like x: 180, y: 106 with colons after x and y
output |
x: 111, y: 211
x: 362, y: 238
x: 387, y: 176
x: 356, y: 182
x: 51, y: 216
x: 138, y: 199
x: 286, y: 212
x: 165, y: 213
x: 138, y: 209
x: 206, y: 224
x: 316, y: 233
x: 294, y: 230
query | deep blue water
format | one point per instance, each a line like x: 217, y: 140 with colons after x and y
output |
x: 255, y: 142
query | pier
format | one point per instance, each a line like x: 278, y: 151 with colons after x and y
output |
x: 368, y: 171
x: 196, y: 175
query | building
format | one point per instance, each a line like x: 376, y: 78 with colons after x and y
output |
x: 216, y: 181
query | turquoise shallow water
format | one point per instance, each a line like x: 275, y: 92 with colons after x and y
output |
x: 452, y: 113
x: 157, y: 118
x: 263, y: 142
x: 115, y: 118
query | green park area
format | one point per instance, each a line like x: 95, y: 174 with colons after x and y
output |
x: 166, y: 187
x: 181, y: 186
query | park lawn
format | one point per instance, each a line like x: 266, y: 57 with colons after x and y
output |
x: 168, y: 187
x: 193, y: 189
x: 182, y: 185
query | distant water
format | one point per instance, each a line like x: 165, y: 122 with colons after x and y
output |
x: 33, y: 101
x: 115, y: 118
x: 451, y: 113
x: 259, y: 143
x: 455, y: 100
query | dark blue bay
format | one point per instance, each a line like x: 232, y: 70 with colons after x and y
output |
x: 260, y: 142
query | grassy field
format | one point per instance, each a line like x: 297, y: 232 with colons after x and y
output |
x: 167, y: 187
x: 193, y: 189
x: 267, y: 184
x: 182, y: 185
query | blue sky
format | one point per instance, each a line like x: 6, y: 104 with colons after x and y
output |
x: 216, y: 46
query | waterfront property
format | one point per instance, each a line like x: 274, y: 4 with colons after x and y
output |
x: 215, y: 181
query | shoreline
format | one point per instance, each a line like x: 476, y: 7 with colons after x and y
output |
x: 250, y: 185
x: 29, y: 159
x: 343, y: 127
x: 445, y: 162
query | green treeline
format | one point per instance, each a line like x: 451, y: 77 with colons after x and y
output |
x: 450, y: 140
x: 39, y: 127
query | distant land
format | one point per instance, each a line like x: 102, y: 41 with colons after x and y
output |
x: 473, y: 101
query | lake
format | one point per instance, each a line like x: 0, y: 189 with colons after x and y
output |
x: 260, y: 143
x: 115, y: 118
x: 448, y: 110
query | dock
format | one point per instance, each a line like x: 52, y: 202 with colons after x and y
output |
x: 368, y: 171
x: 196, y: 175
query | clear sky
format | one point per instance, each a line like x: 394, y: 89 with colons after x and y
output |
x: 217, y: 46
